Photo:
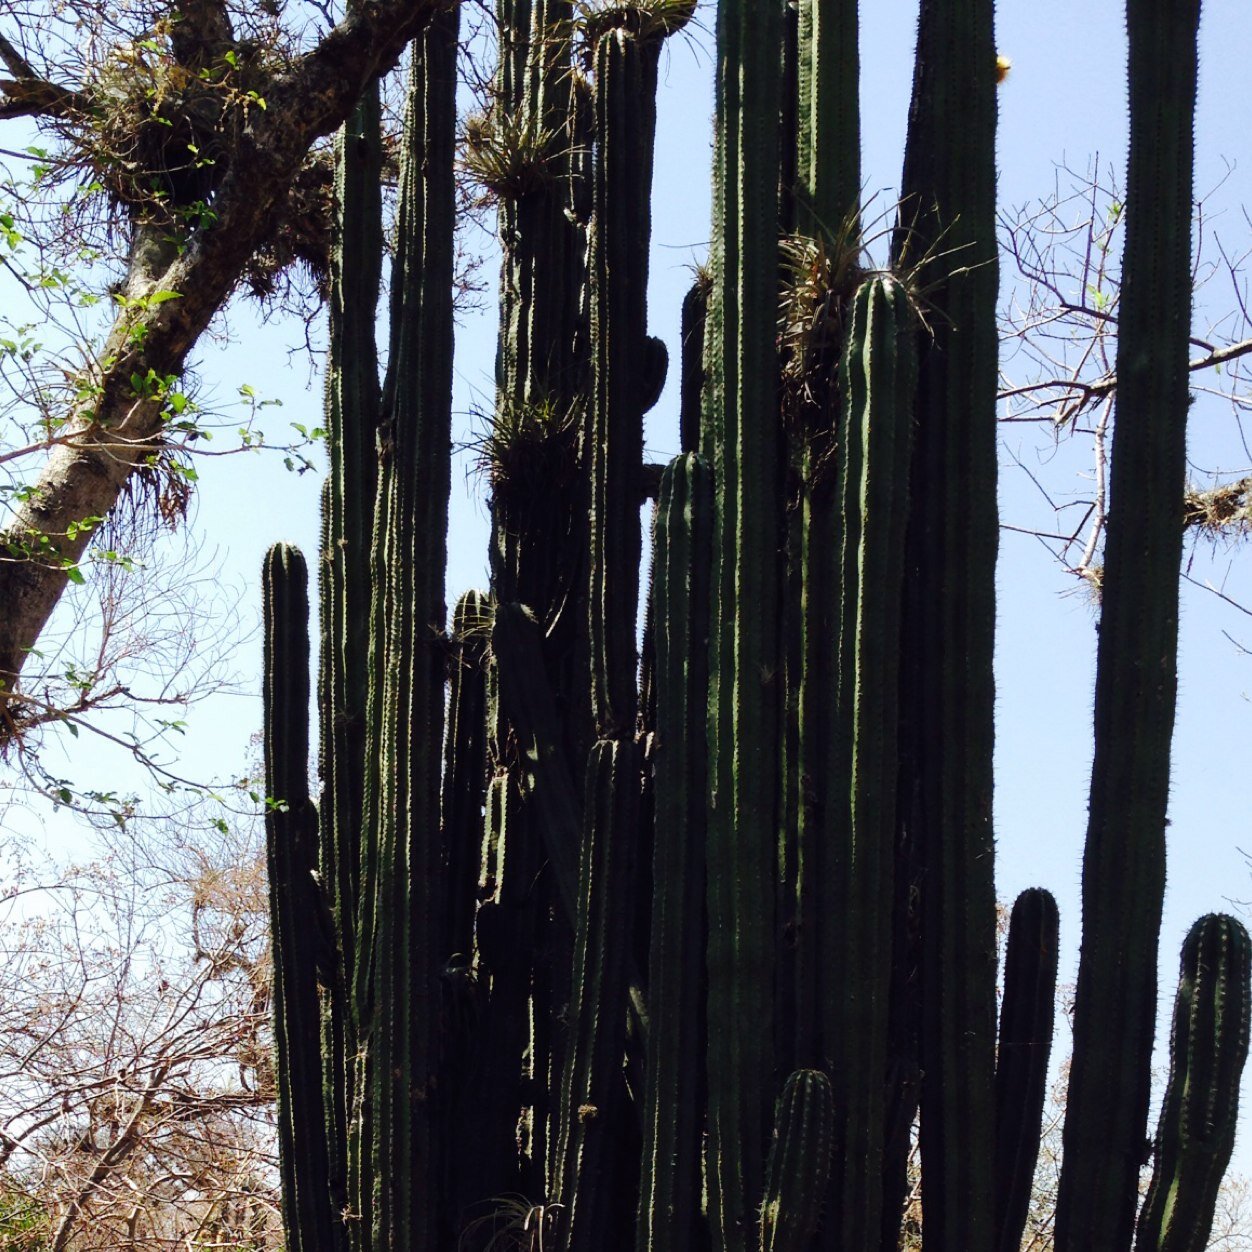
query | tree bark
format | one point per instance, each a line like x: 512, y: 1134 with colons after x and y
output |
x: 120, y: 425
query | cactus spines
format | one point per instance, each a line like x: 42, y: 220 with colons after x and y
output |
x: 1208, y: 1048
x: 799, y: 1162
x: 1123, y: 879
x: 1027, y: 1014
x: 303, y: 940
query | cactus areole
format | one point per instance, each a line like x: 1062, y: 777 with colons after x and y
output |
x: 671, y: 952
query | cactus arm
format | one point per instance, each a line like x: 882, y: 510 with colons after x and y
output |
x: 1208, y: 1049
x: 694, y: 313
x: 1136, y: 665
x: 291, y: 846
x: 1027, y: 1014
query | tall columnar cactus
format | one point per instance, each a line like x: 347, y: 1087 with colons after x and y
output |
x: 669, y: 1197
x: 352, y: 411
x: 875, y: 437
x: 1123, y: 878
x: 947, y: 236
x: 743, y: 442
x: 1208, y: 1048
x: 592, y: 1087
x: 564, y: 1014
x: 304, y: 951
x: 396, y: 959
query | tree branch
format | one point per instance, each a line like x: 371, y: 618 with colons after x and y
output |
x: 122, y: 424
x: 36, y: 97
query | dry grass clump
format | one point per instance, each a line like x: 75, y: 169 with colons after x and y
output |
x: 1220, y: 513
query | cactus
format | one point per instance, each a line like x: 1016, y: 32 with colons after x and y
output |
x: 743, y: 443
x: 1136, y: 665
x: 1208, y: 1048
x: 304, y: 948
x: 592, y: 1089
x: 799, y: 1160
x: 1027, y: 1014
x: 555, y: 1013
x: 947, y: 233
x: 875, y: 437
x: 670, y: 1187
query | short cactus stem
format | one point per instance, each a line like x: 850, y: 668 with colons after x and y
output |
x: 593, y: 1089
x: 799, y: 1162
x: 1208, y: 1049
x: 1027, y: 1014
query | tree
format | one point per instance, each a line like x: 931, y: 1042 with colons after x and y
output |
x: 1058, y: 335
x: 197, y: 119
x: 136, y: 1084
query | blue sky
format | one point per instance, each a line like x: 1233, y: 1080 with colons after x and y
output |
x: 1063, y: 102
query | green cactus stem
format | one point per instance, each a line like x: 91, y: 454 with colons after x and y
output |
x: 828, y: 140
x: 1123, y: 878
x: 695, y: 309
x: 465, y: 771
x: 669, y: 1198
x: 1208, y: 1049
x: 1027, y: 1014
x: 302, y: 933
x: 743, y: 439
x: 592, y: 1088
x: 397, y: 961
x: 799, y: 1163
x: 625, y: 111
x: 856, y: 852
x: 947, y: 241
x: 352, y: 404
